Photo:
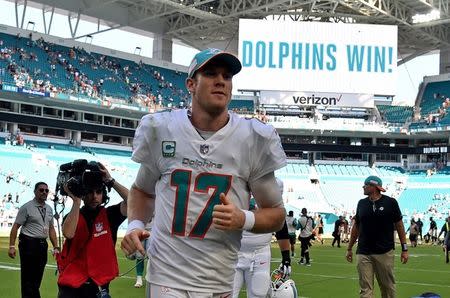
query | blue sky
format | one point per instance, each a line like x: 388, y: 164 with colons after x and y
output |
x: 410, y: 75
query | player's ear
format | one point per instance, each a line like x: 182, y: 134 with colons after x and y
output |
x: 190, y: 83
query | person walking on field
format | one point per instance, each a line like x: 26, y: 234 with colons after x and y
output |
x: 306, y: 226
x: 413, y: 232
x: 35, y: 220
x: 377, y: 216
x: 199, y: 168
x: 337, y: 232
x: 291, y: 222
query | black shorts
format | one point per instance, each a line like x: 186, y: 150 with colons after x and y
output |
x: 283, y: 233
x: 292, y: 239
x: 87, y: 290
x: 320, y: 230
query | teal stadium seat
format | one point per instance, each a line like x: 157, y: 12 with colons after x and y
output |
x: 395, y: 114
x: 172, y: 88
x: 431, y: 103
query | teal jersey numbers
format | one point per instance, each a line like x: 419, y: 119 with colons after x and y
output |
x: 181, y: 179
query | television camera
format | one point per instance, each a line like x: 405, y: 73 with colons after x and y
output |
x: 81, y: 177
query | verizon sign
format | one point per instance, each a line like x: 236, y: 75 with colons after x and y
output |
x: 317, y: 99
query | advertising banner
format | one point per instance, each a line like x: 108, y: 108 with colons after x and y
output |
x: 317, y: 99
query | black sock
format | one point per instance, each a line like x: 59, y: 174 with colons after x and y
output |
x: 285, y: 258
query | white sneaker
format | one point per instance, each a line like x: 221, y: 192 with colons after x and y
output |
x: 138, y: 283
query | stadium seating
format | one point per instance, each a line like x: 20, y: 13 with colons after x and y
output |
x: 433, y: 97
x: 389, y: 171
x: 74, y: 70
x: 395, y: 114
x: 431, y: 100
x: 326, y: 188
x: 242, y: 105
x: 343, y: 170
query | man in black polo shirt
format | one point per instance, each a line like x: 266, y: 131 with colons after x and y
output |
x: 377, y: 216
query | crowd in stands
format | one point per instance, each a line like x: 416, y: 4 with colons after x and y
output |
x: 36, y: 64
x: 76, y: 71
x: 9, y: 203
x: 15, y: 139
x: 8, y: 211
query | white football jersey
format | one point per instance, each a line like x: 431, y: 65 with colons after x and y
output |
x: 185, y: 251
x: 251, y: 241
x: 306, y: 224
x: 290, y: 224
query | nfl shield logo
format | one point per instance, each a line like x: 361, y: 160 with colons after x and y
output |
x: 99, y: 227
x: 204, y: 149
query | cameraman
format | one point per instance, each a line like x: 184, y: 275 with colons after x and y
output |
x: 88, y: 259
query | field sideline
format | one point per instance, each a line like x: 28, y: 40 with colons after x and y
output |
x: 329, y: 276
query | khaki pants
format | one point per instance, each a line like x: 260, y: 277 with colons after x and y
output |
x: 382, y: 266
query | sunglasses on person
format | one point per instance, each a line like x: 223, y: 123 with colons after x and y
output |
x: 43, y: 190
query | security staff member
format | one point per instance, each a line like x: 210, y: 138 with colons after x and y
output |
x: 36, y: 220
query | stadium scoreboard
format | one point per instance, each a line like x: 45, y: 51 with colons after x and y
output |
x: 317, y: 57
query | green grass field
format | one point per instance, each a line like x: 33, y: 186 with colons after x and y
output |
x: 329, y: 276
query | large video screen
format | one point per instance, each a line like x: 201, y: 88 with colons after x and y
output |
x: 317, y: 57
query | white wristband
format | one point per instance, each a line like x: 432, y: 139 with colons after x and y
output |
x: 249, y: 220
x: 135, y: 224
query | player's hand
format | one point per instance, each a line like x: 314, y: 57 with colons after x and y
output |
x: 349, y: 256
x: 285, y: 271
x: 12, y: 252
x: 404, y: 257
x: 70, y: 194
x: 227, y: 216
x: 132, y: 241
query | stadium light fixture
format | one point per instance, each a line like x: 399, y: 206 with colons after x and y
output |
x: 425, y: 18
x: 137, y: 51
x: 88, y: 38
x: 30, y: 24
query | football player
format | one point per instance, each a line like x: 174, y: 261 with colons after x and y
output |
x: 253, y: 267
x: 199, y: 166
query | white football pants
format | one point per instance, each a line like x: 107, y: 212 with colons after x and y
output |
x: 253, y: 270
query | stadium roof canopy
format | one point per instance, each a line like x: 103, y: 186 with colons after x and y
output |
x: 206, y: 23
